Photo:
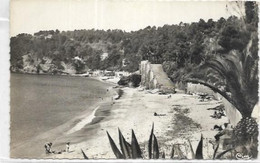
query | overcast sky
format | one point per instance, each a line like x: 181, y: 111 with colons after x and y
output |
x: 30, y: 16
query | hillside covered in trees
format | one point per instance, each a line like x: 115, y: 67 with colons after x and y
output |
x: 180, y: 48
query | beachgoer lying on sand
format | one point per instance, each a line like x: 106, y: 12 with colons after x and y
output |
x: 47, y: 147
x: 68, y: 147
x: 218, y: 128
x: 222, y: 127
x: 217, y: 115
x: 221, y: 112
x: 155, y: 114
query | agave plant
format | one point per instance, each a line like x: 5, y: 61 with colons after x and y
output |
x: 133, y: 150
x: 128, y: 151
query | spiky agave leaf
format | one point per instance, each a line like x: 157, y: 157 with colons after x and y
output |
x: 215, y: 151
x: 84, y: 155
x: 222, y: 153
x: 163, y: 155
x: 150, y: 143
x: 155, y: 148
x: 136, y: 150
x: 125, y: 147
x: 116, y: 151
x: 129, y: 148
x: 191, y: 149
x: 179, y: 152
x: 199, y: 150
x: 172, y: 152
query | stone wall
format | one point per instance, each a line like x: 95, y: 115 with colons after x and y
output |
x: 232, y: 113
x: 153, y: 77
x: 198, y: 88
x: 147, y: 77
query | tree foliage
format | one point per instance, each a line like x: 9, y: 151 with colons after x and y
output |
x: 183, y: 43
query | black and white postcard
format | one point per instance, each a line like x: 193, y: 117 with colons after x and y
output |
x: 126, y: 79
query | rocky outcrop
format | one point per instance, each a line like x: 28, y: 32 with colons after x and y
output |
x: 153, y: 77
x: 132, y: 80
x: 45, y: 65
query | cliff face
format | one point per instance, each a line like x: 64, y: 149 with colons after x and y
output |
x: 153, y: 77
x: 34, y: 65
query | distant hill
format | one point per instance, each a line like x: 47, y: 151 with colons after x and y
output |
x: 180, y: 48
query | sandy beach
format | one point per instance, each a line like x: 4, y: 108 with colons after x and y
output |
x: 183, y: 117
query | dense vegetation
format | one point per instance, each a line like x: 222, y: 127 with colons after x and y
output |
x: 176, y: 44
x: 178, y: 47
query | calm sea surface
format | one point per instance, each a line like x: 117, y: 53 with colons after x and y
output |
x: 42, y: 102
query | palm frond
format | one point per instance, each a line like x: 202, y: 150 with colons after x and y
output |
x: 215, y: 89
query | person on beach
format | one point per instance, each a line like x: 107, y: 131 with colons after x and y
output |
x: 47, y: 147
x: 67, y: 147
x: 225, y: 129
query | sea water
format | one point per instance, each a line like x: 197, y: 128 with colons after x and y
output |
x: 42, y: 102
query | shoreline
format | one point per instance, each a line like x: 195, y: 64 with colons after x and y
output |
x: 63, y: 133
x: 53, y: 135
x: 135, y: 110
x: 87, y: 129
x: 58, y: 133
x: 78, y: 126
